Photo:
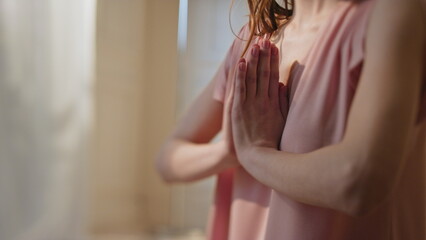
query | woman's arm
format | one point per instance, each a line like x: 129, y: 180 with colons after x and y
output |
x: 358, y: 173
x: 187, y: 154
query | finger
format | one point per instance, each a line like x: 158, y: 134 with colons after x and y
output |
x: 228, y: 119
x: 275, y: 73
x: 229, y: 105
x: 240, y: 83
x: 283, y: 98
x: 263, y: 69
x: 251, y: 73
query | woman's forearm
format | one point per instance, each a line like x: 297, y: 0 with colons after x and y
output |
x: 322, y: 178
x: 360, y: 172
x: 183, y: 161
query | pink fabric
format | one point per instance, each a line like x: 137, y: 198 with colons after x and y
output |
x: 322, y: 89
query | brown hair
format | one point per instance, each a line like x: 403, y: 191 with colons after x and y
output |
x: 266, y: 16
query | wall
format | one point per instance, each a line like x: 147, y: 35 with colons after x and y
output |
x: 143, y: 86
x: 135, y: 101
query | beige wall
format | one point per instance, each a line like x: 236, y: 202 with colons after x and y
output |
x: 159, y: 102
x: 135, y: 102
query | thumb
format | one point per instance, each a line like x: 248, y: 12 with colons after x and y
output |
x: 228, y: 116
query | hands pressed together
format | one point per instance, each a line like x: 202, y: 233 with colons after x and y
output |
x: 258, y: 109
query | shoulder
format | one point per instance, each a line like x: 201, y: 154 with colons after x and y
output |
x: 245, y: 30
x: 398, y: 14
x: 241, y: 38
x: 378, y: 24
x: 393, y: 21
x: 407, y: 13
x: 238, y: 44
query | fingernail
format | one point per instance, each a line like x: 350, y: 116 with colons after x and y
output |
x: 242, y: 66
x: 266, y: 44
x: 255, y: 51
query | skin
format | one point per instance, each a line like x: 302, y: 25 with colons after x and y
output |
x: 301, y: 31
x: 357, y: 174
x: 353, y: 176
x: 179, y: 157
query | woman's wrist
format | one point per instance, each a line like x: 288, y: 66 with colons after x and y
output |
x: 227, y: 157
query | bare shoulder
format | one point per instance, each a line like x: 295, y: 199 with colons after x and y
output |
x: 398, y: 17
x: 396, y: 28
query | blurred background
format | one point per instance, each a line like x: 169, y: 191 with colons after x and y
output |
x: 88, y: 91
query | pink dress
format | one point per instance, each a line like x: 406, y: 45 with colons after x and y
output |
x: 322, y: 89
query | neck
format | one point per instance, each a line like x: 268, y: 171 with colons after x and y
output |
x: 311, y: 12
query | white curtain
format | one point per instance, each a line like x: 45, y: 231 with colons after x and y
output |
x: 46, y: 68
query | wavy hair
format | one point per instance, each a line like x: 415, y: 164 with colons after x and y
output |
x: 266, y: 16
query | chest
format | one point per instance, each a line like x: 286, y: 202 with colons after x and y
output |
x: 293, y: 51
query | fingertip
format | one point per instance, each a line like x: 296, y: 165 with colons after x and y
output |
x: 255, y: 50
x: 242, y: 65
x: 274, y: 50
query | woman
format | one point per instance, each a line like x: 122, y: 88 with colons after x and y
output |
x: 339, y: 153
